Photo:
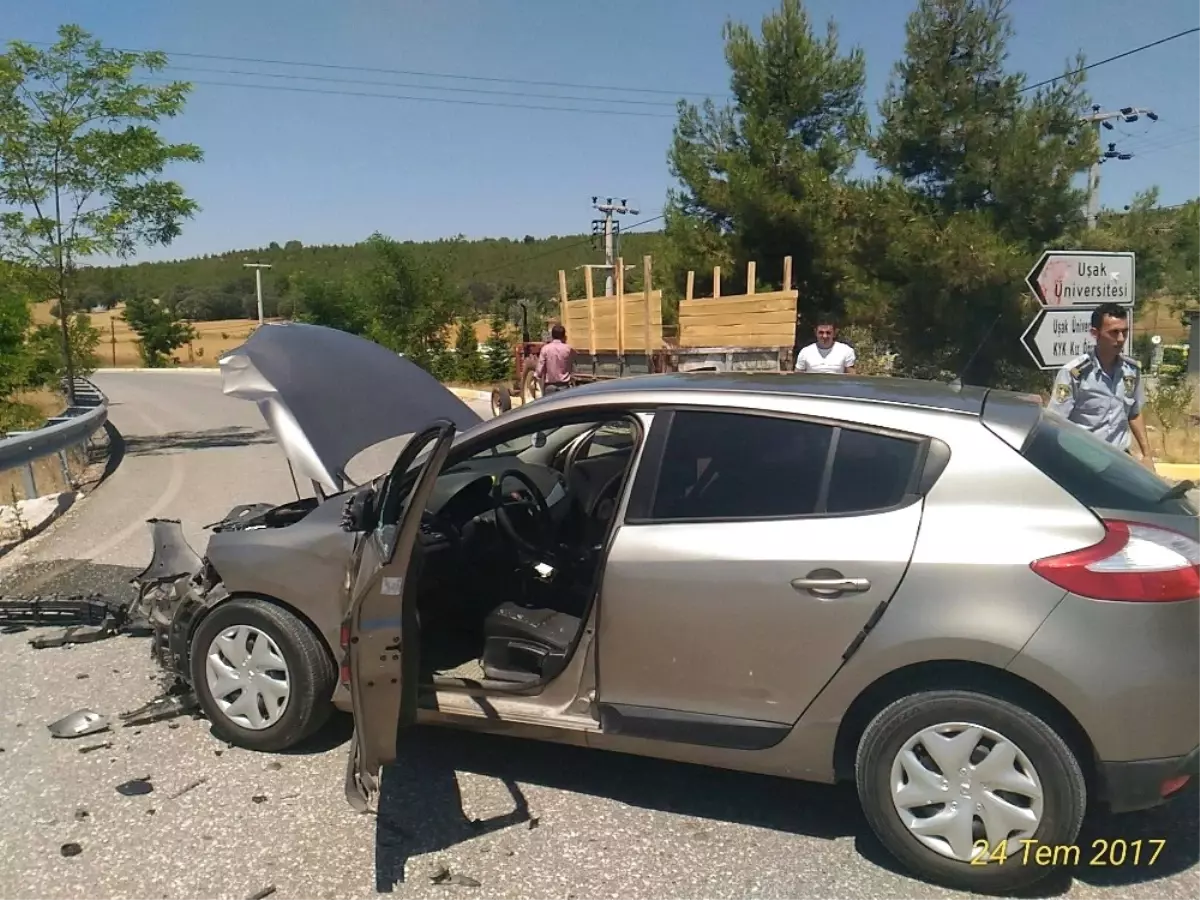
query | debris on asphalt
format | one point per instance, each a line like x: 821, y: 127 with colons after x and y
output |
x: 70, y: 849
x: 135, y: 787
x: 218, y: 752
x: 441, y: 874
x: 150, y: 811
x: 175, y: 702
x: 172, y: 725
x: 81, y: 814
x: 263, y: 894
x: 80, y: 676
x: 258, y: 798
x: 91, y: 617
x: 534, y: 822
x: 274, y: 766
x: 78, y: 723
x: 190, y: 786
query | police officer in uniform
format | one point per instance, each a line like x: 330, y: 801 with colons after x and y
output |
x: 1102, y: 390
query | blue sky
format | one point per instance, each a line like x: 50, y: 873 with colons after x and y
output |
x: 329, y: 168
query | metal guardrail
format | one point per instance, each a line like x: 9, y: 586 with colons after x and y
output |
x: 20, y: 449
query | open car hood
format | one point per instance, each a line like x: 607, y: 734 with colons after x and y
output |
x: 328, y: 395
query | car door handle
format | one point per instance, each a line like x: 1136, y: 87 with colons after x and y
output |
x: 831, y: 587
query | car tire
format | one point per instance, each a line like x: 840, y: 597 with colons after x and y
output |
x: 309, y: 674
x: 1055, y: 767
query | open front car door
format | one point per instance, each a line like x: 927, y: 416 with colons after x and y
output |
x: 380, y: 631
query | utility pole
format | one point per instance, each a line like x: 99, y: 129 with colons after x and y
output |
x: 1104, y: 118
x: 609, y: 209
x: 258, y: 267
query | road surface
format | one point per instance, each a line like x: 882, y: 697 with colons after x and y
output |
x: 605, y: 825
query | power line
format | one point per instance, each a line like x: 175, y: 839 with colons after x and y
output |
x: 1102, y: 62
x: 421, y: 74
x: 491, y: 103
x: 420, y: 87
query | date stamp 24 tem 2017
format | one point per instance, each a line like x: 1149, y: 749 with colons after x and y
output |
x: 1100, y: 852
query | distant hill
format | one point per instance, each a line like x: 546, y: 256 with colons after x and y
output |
x: 484, y: 267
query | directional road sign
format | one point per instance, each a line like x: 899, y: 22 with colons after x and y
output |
x: 1082, y: 278
x: 1056, y: 336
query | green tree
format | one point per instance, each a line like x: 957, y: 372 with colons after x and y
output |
x: 470, y: 365
x: 409, y: 302
x: 159, y: 332
x: 328, y: 303
x: 766, y: 176
x: 80, y: 164
x: 498, y: 349
x: 15, y: 319
x: 48, y: 366
x: 980, y: 183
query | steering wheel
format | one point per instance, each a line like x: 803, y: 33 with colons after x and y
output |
x: 534, y: 503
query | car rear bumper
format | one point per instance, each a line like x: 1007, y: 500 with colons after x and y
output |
x: 1142, y: 784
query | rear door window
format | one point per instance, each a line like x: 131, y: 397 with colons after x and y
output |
x: 730, y: 465
x: 1097, y: 474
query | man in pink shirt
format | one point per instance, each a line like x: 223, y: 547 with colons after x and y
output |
x: 555, y: 365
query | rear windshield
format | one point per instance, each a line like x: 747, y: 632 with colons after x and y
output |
x: 1097, y: 474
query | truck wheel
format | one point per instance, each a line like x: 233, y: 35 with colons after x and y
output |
x: 531, y: 388
x: 263, y: 678
x: 501, y: 400
x: 970, y: 791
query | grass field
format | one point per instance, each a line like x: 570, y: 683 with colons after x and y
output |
x: 118, y: 343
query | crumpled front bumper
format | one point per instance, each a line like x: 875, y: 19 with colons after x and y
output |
x: 173, y: 590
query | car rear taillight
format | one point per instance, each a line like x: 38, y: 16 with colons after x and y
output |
x: 1133, y: 562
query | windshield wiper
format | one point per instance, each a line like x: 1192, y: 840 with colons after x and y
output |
x: 1177, y: 491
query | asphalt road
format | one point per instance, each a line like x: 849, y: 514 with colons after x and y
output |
x: 522, y: 819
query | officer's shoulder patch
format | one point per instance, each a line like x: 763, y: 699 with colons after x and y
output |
x: 1079, y: 366
x: 1062, y: 392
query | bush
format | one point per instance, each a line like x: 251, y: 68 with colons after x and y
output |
x: 1170, y: 402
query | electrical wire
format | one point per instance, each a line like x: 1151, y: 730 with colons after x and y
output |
x: 420, y: 87
x: 419, y: 73
x: 408, y: 97
x: 1103, y: 62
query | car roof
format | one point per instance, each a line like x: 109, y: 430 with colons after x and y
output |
x: 963, y: 399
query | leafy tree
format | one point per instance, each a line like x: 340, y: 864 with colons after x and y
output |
x: 80, y: 164
x: 48, y: 366
x: 980, y: 183
x: 410, y: 302
x: 15, y: 320
x: 327, y: 303
x: 765, y: 177
x: 159, y: 332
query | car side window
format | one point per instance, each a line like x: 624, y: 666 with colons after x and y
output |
x: 734, y: 465
x: 870, y: 471
x: 731, y: 465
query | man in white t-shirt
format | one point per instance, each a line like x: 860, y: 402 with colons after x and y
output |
x: 828, y: 356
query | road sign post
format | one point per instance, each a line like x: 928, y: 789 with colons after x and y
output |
x: 1069, y: 285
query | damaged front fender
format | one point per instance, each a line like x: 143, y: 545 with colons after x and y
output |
x: 174, y: 590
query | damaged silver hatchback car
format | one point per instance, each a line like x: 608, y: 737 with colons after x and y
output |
x: 980, y: 614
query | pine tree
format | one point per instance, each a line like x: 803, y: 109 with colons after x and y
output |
x: 980, y: 183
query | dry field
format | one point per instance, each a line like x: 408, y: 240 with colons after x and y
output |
x: 118, y: 343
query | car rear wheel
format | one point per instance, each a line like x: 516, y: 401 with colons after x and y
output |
x: 262, y: 676
x: 964, y: 788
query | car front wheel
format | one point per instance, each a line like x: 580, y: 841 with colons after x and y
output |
x: 965, y: 788
x: 263, y: 678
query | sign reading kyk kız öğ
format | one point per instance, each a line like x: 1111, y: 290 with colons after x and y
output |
x: 1057, y: 336
x: 1074, y: 278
